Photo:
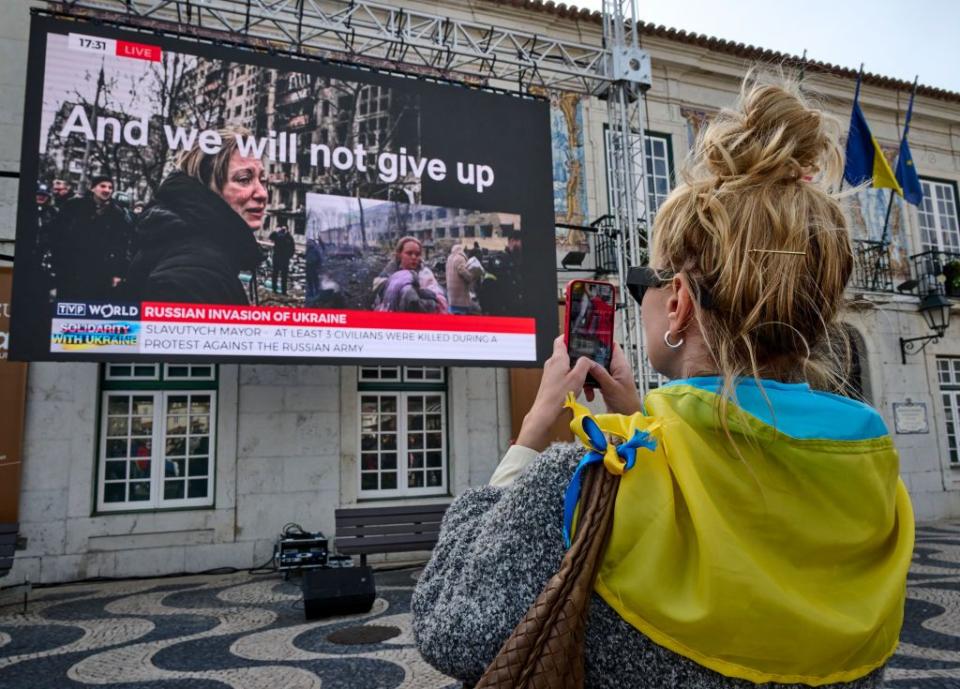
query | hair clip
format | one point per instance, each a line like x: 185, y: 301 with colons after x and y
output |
x: 776, y: 251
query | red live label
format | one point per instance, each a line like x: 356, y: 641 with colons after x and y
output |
x: 139, y: 51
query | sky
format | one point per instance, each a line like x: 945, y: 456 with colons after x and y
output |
x: 897, y: 39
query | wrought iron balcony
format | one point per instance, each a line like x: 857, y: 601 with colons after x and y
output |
x: 605, y: 244
x: 871, y: 266
x: 934, y: 272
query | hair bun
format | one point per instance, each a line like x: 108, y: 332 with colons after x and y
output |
x: 773, y: 135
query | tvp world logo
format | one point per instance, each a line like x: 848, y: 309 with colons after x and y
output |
x: 66, y: 309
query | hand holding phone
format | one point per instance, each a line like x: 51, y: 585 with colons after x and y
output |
x: 588, y: 322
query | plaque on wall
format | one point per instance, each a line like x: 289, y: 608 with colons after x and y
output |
x: 910, y: 417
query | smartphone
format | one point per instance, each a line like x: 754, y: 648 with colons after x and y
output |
x: 588, y: 322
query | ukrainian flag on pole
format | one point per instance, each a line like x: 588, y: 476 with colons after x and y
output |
x: 865, y: 161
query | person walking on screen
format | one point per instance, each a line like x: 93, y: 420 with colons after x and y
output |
x: 460, y: 281
x: 313, y: 258
x: 283, y: 250
x: 90, y: 243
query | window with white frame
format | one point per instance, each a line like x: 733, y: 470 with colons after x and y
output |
x: 658, y: 170
x: 939, y: 228
x: 948, y: 375
x: 403, y: 431
x: 157, y: 436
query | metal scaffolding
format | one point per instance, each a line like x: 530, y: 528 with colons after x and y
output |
x: 415, y: 42
x: 628, y: 69
x: 375, y: 34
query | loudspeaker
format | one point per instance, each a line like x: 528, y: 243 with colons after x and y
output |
x: 337, y: 591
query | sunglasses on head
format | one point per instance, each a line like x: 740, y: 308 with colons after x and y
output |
x: 642, y: 278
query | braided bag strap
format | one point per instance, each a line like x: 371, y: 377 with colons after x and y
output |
x: 545, y: 650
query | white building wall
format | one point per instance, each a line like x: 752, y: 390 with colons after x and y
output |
x: 66, y: 540
x: 286, y: 451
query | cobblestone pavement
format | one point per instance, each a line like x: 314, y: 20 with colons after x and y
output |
x: 248, y: 632
x: 929, y: 653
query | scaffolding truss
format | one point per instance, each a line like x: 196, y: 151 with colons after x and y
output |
x: 375, y: 34
x: 626, y: 166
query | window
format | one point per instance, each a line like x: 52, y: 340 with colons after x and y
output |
x: 189, y: 372
x: 948, y: 375
x: 939, y: 229
x: 132, y: 372
x: 157, y: 432
x: 403, y: 431
x: 658, y: 171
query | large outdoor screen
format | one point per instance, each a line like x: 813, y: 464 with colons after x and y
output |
x: 183, y: 201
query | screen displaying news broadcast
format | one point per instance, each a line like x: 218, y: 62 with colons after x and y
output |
x: 182, y: 201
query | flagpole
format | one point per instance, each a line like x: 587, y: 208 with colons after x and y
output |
x: 906, y: 128
x: 886, y: 221
x: 856, y: 95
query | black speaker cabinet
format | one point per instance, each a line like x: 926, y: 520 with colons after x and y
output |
x: 337, y: 591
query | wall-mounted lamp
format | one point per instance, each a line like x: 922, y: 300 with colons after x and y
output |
x: 573, y: 258
x: 935, y: 309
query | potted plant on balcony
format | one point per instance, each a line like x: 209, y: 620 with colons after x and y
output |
x: 951, y: 273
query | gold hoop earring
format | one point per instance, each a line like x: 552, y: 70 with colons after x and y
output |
x: 671, y: 345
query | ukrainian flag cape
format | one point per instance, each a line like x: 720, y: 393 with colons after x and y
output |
x: 785, y: 563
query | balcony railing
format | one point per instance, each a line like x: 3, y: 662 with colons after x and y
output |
x: 604, y: 242
x: 871, y: 266
x: 605, y: 245
x: 936, y: 272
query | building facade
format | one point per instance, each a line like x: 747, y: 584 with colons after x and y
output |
x: 151, y: 469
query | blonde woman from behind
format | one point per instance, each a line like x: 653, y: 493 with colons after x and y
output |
x: 761, y: 534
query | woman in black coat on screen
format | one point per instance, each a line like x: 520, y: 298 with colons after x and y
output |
x: 197, y: 235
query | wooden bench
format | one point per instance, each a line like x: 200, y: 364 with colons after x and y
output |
x: 365, y: 530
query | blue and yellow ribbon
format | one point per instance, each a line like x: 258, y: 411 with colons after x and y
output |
x: 616, y: 458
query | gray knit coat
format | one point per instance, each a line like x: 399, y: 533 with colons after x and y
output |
x: 497, y: 549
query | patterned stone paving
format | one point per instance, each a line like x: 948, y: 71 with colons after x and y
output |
x: 928, y: 656
x: 248, y: 632
x: 205, y: 632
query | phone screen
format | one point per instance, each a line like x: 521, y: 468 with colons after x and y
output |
x: 590, y: 310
